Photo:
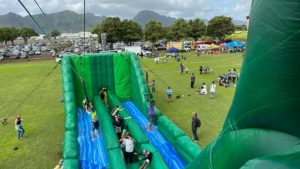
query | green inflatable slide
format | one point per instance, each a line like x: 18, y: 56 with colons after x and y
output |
x: 261, y: 130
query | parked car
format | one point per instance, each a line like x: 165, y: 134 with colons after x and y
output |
x: 186, y: 48
x: 43, y: 48
x: 24, y: 55
x: 202, y: 48
x: 16, y: 52
x: 30, y: 53
x: 7, y: 54
x: 146, y: 53
x: 37, y: 52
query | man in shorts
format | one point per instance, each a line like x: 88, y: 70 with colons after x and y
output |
x: 169, y: 93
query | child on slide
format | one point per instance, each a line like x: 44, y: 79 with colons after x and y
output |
x: 95, y: 125
x: 151, y: 114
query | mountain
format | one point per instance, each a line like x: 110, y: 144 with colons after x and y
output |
x: 65, y: 21
x: 144, y: 16
x: 239, y: 22
x: 12, y: 19
x: 69, y: 21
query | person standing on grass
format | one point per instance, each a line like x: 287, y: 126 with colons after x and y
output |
x: 186, y: 69
x: 234, y: 75
x: 212, y: 90
x: 153, y: 86
x: 147, y: 76
x: 195, y: 124
x: 181, y: 68
x: 193, y: 79
x: 19, y: 127
x: 169, y: 93
x: 200, y: 69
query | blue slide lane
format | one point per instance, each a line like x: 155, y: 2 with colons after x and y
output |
x: 168, y: 152
x: 92, y: 154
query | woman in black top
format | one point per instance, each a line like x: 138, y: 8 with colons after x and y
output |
x: 18, y: 126
x: 148, y: 159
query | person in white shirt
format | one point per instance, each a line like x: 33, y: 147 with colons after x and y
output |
x: 128, y: 142
x: 212, y: 90
x: 203, y: 90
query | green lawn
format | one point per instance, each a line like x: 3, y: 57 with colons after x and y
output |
x: 43, y: 113
x: 212, y: 112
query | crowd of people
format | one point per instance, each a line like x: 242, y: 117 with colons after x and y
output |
x: 127, y: 143
x: 230, y: 77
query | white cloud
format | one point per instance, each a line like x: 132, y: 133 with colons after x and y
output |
x: 237, y: 9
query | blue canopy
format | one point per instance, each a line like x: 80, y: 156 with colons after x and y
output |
x: 173, y: 50
x: 235, y: 44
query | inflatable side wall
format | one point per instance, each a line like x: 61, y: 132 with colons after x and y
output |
x: 262, y: 127
x: 70, y: 146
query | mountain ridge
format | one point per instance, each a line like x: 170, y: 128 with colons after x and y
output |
x: 71, y: 24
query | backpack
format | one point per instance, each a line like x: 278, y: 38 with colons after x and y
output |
x: 198, y: 122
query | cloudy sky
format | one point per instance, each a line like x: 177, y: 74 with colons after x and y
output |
x: 204, y: 9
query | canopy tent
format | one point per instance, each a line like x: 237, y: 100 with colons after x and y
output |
x: 223, y: 44
x: 235, y: 44
x: 173, y: 50
x: 213, y: 46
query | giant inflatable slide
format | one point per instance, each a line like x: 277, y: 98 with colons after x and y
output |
x: 262, y: 127
x: 121, y: 74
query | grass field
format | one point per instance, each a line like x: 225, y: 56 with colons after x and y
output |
x: 43, y: 113
x: 212, y: 112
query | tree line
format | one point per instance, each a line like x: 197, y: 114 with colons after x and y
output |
x: 10, y: 34
x: 129, y: 31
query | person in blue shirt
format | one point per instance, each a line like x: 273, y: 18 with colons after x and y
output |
x: 169, y: 93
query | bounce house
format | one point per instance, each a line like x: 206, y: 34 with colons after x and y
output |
x: 262, y: 127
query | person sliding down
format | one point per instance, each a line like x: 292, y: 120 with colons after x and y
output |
x: 117, y: 123
x: 151, y: 114
x: 103, y: 95
x: 89, y: 108
x: 148, y: 159
x: 95, y: 125
x: 115, y: 110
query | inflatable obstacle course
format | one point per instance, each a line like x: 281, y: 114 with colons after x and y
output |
x: 261, y: 130
x: 121, y: 74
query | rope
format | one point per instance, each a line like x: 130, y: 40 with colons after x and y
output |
x: 52, y: 43
x: 84, y: 26
x: 30, y: 93
x: 48, y: 20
